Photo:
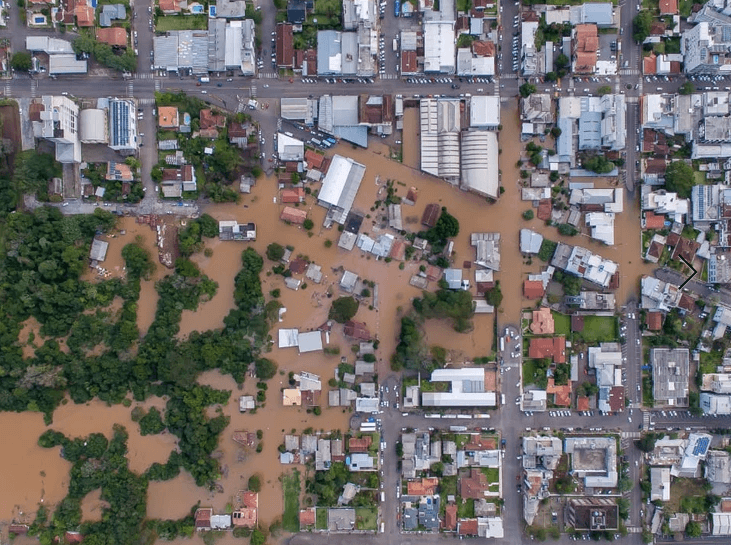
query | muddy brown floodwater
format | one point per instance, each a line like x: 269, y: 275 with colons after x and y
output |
x: 22, y: 466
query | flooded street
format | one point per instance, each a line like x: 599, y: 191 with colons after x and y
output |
x: 33, y: 473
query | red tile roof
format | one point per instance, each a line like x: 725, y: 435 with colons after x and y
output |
x: 450, y: 517
x: 203, y: 517
x: 649, y: 64
x: 424, y: 487
x: 84, y: 15
x: 169, y: 5
x: 587, y: 43
x: 654, y: 221
x: 314, y: 159
x: 544, y: 209
x: 292, y: 215
x: 359, y: 445
x: 285, y: 45
x: 483, y: 48
x: 616, y: 399
x: 548, y: 347
x: 668, y: 7
x: 474, y: 486
x: 307, y: 517
x: 208, y: 120
x: 582, y: 403
x: 115, y: 36
x: 468, y: 527
x: 561, y: 394
x: 292, y: 195
x: 408, y: 62
x: 431, y: 215
x: 357, y: 330
x: 533, y: 289
x: 654, y: 321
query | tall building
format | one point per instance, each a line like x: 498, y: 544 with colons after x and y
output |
x: 56, y: 118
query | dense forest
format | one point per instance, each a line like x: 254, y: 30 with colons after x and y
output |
x: 40, y: 277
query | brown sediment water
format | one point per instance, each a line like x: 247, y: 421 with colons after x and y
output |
x: 307, y: 309
x: 92, y: 506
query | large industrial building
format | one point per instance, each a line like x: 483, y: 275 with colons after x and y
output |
x: 340, y: 187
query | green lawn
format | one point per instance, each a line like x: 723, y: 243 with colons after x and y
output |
x: 291, y: 490
x: 492, y: 474
x: 699, y: 178
x: 447, y: 486
x: 366, y: 518
x: 562, y: 323
x: 465, y: 508
x: 182, y: 22
x: 599, y: 329
x: 321, y: 518
x: 529, y: 372
x: 709, y: 361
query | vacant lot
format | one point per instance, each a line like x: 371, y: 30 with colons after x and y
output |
x: 10, y: 119
x: 291, y: 490
x: 182, y: 22
x: 321, y: 518
x: 562, y: 323
x: 366, y: 518
x: 599, y: 329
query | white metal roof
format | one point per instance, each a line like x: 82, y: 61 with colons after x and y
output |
x: 288, y: 338
x: 310, y: 341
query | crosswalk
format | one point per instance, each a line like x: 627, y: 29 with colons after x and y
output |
x: 158, y: 85
x: 629, y: 72
x: 33, y: 88
x: 630, y: 435
x: 389, y: 76
x: 146, y: 101
x: 144, y: 75
x: 253, y: 90
x: 267, y: 75
x: 130, y: 89
x: 8, y: 88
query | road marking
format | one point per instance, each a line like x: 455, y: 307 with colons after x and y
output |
x: 144, y: 75
x: 8, y: 88
x: 130, y: 89
x: 33, y: 88
x: 158, y: 85
x: 253, y: 90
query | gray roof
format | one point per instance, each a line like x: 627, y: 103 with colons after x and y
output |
x: 110, y: 12
x: 590, y: 136
x: 99, y: 250
x: 597, y: 13
x: 231, y: 9
x: 530, y: 241
x: 66, y: 64
x: 357, y: 134
x: 328, y: 47
x: 345, y: 110
x: 216, y: 45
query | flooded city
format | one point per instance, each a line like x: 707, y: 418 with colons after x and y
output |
x: 33, y: 475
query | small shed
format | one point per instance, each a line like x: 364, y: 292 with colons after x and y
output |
x: 348, y: 281
x: 98, y: 250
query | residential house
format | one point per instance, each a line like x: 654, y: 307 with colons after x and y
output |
x: 168, y: 117
x: 116, y: 36
x: 176, y: 181
x: 542, y: 323
x: 548, y: 347
x: 293, y: 215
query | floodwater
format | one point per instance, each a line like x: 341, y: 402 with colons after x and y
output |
x: 307, y: 309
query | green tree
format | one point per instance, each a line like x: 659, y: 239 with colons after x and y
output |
x: 258, y: 537
x: 343, y: 309
x: 494, y: 296
x: 22, y: 61
x: 528, y: 214
x: 604, y: 90
x: 527, y: 89
x: 567, y: 230
x: 693, y: 529
x: 561, y: 61
x: 679, y: 178
x: 137, y: 260
x: 641, y: 25
x: 555, y: 132
x: 308, y: 224
x: 275, y: 251
x: 551, y: 76
x: 265, y: 369
x: 687, y: 88
x: 255, y: 483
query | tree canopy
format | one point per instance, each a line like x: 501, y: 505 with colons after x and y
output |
x: 343, y: 309
x: 641, y: 25
x: 21, y: 61
x: 526, y: 90
x: 679, y: 178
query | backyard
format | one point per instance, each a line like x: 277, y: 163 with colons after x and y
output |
x: 182, y: 22
x: 598, y: 329
x: 366, y: 518
x: 321, y: 518
x: 291, y: 491
x: 562, y: 323
x: 687, y: 496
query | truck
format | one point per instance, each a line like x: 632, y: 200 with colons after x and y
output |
x: 383, y: 497
x: 502, y: 398
x: 502, y: 344
x: 395, y: 44
x: 383, y: 527
x: 204, y: 79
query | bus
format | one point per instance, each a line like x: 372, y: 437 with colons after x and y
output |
x: 396, y: 8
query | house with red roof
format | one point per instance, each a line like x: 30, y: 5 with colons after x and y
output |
x: 114, y: 36
x: 548, y: 347
x: 668, y: 7
x: 533, y: 289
